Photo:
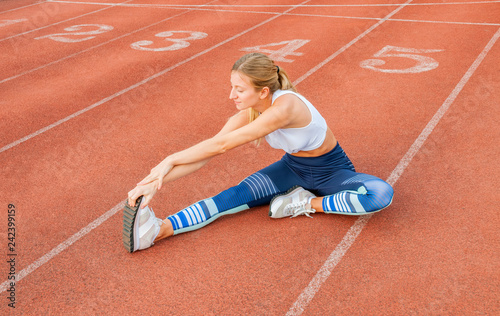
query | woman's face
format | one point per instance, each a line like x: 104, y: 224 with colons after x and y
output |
x: 243, y: 92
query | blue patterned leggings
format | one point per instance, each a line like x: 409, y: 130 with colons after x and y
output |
x: 331, y: 176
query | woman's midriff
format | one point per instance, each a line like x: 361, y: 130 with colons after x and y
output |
x: 328, y: 144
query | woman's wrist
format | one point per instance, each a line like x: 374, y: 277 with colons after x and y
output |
x: 170, y: 161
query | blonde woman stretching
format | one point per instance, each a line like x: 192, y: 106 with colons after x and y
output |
x: 314, y: 175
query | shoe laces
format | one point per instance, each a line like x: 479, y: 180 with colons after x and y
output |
x: 299, y: 208
x: 159, y: 220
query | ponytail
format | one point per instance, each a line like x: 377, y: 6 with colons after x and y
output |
x: 284, y: 81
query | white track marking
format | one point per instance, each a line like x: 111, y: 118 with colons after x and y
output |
x: 90, y: 48
x: 446, y: 22
x: 70, y: 19
x: 405, y: 161
x: 345, y: 47
x: 390, y: 20
x: 282, y: 53
x: 29, y: 5
x: 177, y: 43
x: 10, y: 22
x: 424, y: 63
x: 350, y: 237
x: 135, y: 5
x: 64, y: 245
x: 275, y: 5
x: 75, y: 31
x: 111, y: 97
x: 166, y: 6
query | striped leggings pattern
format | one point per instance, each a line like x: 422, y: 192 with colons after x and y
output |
x: 331, y: 176
x: 372, y: 195
x: 255, y: 188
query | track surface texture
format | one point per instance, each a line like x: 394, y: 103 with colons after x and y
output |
x: 93, y: 94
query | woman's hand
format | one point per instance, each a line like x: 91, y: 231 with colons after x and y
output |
x: 147, y: 190
x: 158, y: 173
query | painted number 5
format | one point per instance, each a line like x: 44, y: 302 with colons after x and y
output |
x: 424, y: 63
x: 177, y: 43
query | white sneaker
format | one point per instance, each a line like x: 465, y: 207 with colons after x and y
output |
x: 293, y: 203
x: 140, y: 227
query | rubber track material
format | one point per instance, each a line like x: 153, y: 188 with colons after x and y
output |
x: 129, y: 217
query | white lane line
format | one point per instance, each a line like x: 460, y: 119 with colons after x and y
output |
x: 405, y: 161
x: 390, y: 20
x: 29, y: 5
x: 64, y: 245
x: 345, y: 47
x: 90, y: 48
x: 350, y: 237
x: 446, y: 22
x: 156, y: 5
x: 298, y: 14
x: 70, y: 19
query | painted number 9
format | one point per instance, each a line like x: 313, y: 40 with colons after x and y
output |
x: 177, y: 43
x: 424, y: 63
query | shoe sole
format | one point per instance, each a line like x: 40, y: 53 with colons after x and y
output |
x: 280, y: 195
x: 129, y: 220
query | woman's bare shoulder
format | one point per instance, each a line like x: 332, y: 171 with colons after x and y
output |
x: 293, y: 107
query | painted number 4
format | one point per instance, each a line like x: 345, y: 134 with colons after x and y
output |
x: 287, y: 48
x: 424, y: 63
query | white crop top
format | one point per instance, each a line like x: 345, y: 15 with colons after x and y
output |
x: 305, y: 138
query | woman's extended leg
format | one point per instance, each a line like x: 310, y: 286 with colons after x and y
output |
x: 257, y: 189
x: 141, y: 227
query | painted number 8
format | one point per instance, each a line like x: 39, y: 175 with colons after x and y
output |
x: 178, y: 43
x: 424, y: 63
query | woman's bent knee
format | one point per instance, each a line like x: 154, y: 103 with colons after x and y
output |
x: 380, y: 194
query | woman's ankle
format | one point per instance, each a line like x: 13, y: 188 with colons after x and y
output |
x: 317, y: 204
x: 166, y: 230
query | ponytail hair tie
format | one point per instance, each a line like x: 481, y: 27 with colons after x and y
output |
x: 277, y: 69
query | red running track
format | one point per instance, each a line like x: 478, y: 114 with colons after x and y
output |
x: 83, y: 121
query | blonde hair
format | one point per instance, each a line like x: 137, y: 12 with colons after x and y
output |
x: 263, y: 72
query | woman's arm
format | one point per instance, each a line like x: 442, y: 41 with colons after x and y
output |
x: 272, y: 119
x: 181, y: 170
x: 149, y: 189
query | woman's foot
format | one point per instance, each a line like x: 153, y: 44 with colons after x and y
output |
x: 166, y: 230
x: 140, y: 227
x: 296, y: 201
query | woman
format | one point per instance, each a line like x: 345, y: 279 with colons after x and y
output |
x: 315, y: 175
